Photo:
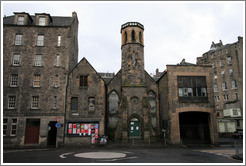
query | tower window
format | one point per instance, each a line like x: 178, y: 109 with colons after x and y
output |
x: 125, y: 37
x: 140, y: 37
x: 133, y: 36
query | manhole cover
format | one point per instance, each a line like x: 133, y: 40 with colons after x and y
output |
x: 101, y: 155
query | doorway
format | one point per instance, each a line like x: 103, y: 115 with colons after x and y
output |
x: 194, y: 127
x: 135, y: 128
x: 32, y: 131
x: 52, y: 132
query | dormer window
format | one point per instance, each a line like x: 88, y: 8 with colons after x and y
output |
x: 41, y: 21
x: 20, y: 20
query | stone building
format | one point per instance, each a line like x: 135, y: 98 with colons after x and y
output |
x: 38, y: 52
x: 133, y: 105
x: 43, y: 84
x: 186, y: 104
x: 227, y: 62
x: 85, y: 108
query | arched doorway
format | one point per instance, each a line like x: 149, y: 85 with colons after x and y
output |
x: 194, y: 127
x: 135, y: 128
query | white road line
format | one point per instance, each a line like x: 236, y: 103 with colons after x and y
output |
x: 64, y: 154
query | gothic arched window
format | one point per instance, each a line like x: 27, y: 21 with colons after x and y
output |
x: 140, y: 37
x: 133, y: 36
x: 113, y: 102
x: 125, y: 37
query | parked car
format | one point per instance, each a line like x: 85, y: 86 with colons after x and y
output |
x: 238, y: 134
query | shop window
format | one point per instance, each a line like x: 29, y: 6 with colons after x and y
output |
x: 83, y: 129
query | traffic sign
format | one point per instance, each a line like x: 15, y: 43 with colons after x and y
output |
x: 58, y: 125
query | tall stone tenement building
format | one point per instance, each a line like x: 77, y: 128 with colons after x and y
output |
x: 38, y: 53
x: 227, y: 62
x: 43, y: 84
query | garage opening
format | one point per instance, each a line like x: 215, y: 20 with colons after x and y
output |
x: 194, y: 127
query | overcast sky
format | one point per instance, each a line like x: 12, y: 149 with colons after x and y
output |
x: 172, y: 30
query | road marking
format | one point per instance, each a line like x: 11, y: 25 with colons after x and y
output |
x: 65, y: 154
x: 126, y: 158
x: 101, y: 155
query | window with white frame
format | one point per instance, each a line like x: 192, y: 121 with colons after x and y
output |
x: 58, y: 60
x: 13, y: 127
x: 35, y: 102
x: 36, y: 80
x: 234, y: 84
x: 18, y: 39
x: 59, y: 41
x: 16, y: 60
x: 41, y: 21
x: 14, y: 80
x: 20, y: 20
x: 11, y: 102
x: 215, y: 87
x: 224, y: 86
x: 38, y: 60
x: 56, y: 84
x: 231, y: 72
x: 222, y: 73
x: 229, y: 60
x: 40, y: 40
x: 5, y: 126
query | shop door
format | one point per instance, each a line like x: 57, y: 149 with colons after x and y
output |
x: 135, y: 129
x: 32, y: 131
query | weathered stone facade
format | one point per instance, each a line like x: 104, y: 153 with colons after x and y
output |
x: 138, y: 102
x: 44, y: 84
x: 174, y: 101
x: 90, y: 109
x: 227, y: 63
x: 36, y: 64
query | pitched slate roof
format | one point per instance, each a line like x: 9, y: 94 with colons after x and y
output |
x: 56, y: 21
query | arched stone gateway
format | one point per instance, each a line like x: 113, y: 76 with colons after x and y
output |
x: 194, y: 127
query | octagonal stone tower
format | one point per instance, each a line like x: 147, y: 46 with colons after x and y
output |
x: 132, y: 49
